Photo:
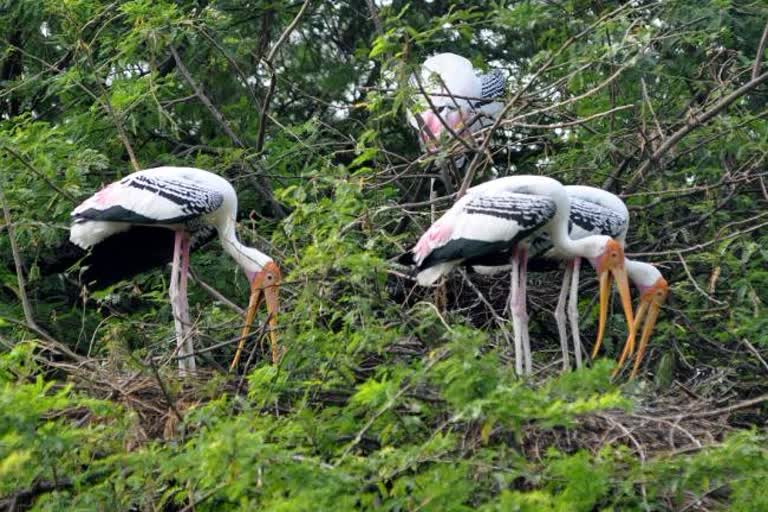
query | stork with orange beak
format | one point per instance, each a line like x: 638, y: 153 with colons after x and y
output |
x: 188, y: 201
x: 596, y: 212
x: 501, y: 218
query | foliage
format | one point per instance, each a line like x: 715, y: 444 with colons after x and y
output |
x: 383, y: 400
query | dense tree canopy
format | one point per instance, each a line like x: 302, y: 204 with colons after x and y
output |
x: 387, y: 397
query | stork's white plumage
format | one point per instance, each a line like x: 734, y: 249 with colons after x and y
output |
x: 463, y: 99
x: 187, y: 201
x: 501, y: 217
x: 597, y: 212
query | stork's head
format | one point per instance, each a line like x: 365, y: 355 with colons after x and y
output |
x: 265, y: 287
x: 653, y: 293
x: 607, y: 257
x: 455, y: 91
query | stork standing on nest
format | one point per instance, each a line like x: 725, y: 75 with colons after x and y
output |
x: 595, y: 211
x: 187, y: 201
x: 501, y: 217
x: 452, y: 100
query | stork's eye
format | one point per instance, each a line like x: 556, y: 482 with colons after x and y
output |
x: 269, y: 277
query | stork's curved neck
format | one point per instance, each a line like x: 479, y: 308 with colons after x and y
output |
x: 251, y: 260
x: 588, y: 247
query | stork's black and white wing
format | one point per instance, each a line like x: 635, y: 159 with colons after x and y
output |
x: 165, y: 196
x: 588, y: 218
x: 479, y: 225
x: 491, y: 86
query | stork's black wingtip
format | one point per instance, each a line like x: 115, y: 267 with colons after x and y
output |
x: 406, y: 259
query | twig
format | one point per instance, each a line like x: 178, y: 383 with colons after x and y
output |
x: 701, y: 246
x: 213, y: 292
x: 499, y: 320
x: 718, y: 412
x: 25, y: 304
x: 39, y: 174
x: 696, y: 284
x: 694, y: 121
x: 754, y: 351
x: 218, y: 116
x: 273, y: 75
x: 760, y: 53
x: 107, y: 104
x: 568, y: 123
x: 171, y: 403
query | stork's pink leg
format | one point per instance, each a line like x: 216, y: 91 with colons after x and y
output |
x: 523, y: 290
x: 174, y: 292
x: 573, y: 311
x: 188, y: 345
x: 514, y: 309
x: 560, y: 317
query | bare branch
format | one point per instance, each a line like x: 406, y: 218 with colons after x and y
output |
x: 760, y: 53
x: 694, y: 121
x: 218, y: 116
x: 40, y: 175
x: 25, y: 304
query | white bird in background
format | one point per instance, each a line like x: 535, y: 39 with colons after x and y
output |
x: 595, y: 212
x: 462, y: 100
x: 188, y: 201
x: 501, y: 216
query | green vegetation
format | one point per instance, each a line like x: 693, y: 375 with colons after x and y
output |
x: 383, y: 400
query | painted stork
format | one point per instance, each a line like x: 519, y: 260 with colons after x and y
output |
x: 458, y: 99
x: 501, y: 217
x: 190, y: 202
x: 595, y: 211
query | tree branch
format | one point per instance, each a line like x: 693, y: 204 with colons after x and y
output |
x: 25, y: 305
x: 218, y: 116
x: 760, y: 53
x: 693, y: 122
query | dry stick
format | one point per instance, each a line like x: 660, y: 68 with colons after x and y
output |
x: 754, y: 351
x: 760, y: 52
x: 717, y: 412
x: 204, y: 99
x: 691, y: 124
x: 121, y: 133
x: 213, y: 292
x: 701, y: 246
x: 52, y: 344
x: 696, y: 284
x: 25, y: 305
x: 499, y: 320
x: 39, y: 174
x: 650, y: 107
x: 568, y: 124
x: 265, y: 107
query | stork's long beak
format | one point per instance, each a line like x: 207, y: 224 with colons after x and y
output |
x: 265, y: 287
x: 612, y: 263
x: 650, y: 302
